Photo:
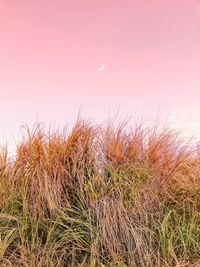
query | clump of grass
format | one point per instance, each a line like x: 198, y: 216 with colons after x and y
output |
x: 100, y: 196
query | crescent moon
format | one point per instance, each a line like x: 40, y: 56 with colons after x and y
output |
x: 101, y: 68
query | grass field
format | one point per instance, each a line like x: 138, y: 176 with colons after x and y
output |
x: 100, y: 195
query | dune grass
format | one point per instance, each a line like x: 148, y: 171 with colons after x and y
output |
x: 100, y: 196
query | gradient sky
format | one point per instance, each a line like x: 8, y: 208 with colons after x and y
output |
x: 50, y: 52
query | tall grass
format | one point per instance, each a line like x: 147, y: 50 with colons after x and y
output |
x: 100, y: 196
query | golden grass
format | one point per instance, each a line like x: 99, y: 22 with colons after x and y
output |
x: 100, y: 196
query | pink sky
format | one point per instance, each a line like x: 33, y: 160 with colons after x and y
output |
x: 50, y: 50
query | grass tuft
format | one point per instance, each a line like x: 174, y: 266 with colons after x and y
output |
x: 100, y: 196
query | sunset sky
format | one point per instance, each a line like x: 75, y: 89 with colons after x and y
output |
x: 50, y: 52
